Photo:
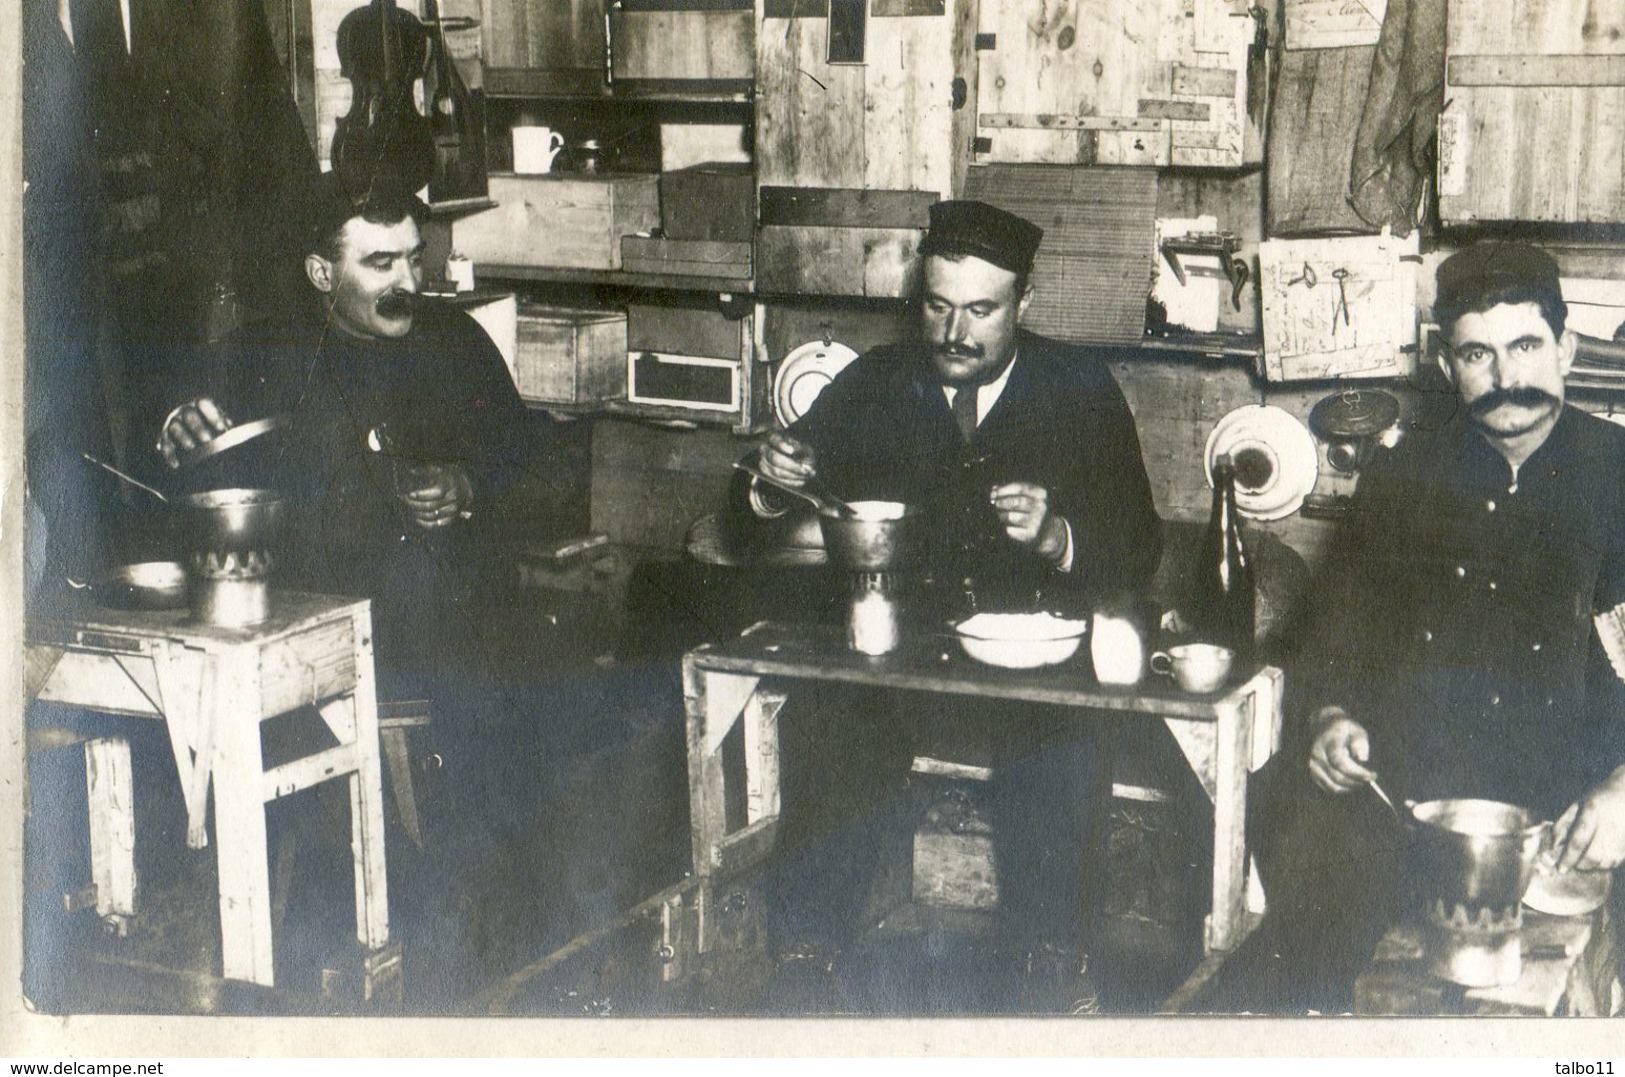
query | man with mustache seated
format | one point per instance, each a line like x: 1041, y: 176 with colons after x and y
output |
x: 1450, y: 650
x: 405, y: 431
x: 1023, y: 456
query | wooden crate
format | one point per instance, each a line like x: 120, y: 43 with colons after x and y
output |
x: 542, y: 35
x: 677, y: 351
x: 709, y: 201
x: 685, y: 257
x: 667, y: 39
x: 1158, y: 83
x: 567, y: 356
x: 649, y: 484
x: 570, y: 221
x: 1535, y: 128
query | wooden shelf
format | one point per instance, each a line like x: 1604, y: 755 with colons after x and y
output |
x: 1217, y: 345
x: 581, y: 85
x: 658, y: 414
x: 616, y: 278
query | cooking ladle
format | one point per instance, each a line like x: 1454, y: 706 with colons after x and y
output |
x: 115, y: 472
x: 822, y: 501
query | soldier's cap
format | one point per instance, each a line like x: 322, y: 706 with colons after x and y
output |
x: 985, y: 232
x: 1492, y: 266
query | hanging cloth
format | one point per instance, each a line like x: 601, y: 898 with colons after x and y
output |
x: 1393, y: 147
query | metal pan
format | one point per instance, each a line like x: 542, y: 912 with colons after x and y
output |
x: 147, y: 585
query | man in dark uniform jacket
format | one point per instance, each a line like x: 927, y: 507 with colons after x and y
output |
x: 381, y: 387
x: 1023, y: 455
x: 1451, y: 648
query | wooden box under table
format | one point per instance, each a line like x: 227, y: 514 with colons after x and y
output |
x: 574, y: 222
x: 567, y: 356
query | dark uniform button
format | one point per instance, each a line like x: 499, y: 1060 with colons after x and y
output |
x: 1461, y: 572
x: 1495, y: 701
x: 1493, y: 585
x: 1489, y: 506
x: 1427, y: 636
x: 1535, y: 646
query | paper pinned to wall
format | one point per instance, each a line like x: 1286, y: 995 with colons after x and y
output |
x: 1333, y: 24
x: 1194, y: 303
x: 1343, y: 307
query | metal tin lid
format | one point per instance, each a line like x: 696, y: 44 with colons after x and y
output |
x: 231, y: 439
x: 1354, y: 413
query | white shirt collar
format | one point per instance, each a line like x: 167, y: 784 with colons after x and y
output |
x: 986, y: 395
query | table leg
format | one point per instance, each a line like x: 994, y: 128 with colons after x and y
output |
x: 239, y: 820
x: 367, y: 803
x: 110, y: 788
x: 1227, y: 924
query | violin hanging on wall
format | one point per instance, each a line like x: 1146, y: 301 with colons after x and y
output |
x: 383, y: 51
x: 454, y: 120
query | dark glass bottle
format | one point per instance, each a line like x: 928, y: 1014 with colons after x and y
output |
x: 1223, y: 590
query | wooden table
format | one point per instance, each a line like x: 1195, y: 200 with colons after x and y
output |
x: 1224, y: 738
x: 1569, y: 967
x: 212, y: 687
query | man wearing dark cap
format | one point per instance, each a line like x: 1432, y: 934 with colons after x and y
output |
x: 1451, y: 650
x: 404, y: 429
x: 1023, y: 456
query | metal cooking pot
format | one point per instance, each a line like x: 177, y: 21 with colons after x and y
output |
x: 1475, y: 859
x: 1479, y: 854
x: 868, y: 543
x: 232, y: 531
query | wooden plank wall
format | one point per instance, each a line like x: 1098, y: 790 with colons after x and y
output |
x: 1532, y: 140
x: 543, y: 34
x: 1319, y: 98
x: 888, y: 124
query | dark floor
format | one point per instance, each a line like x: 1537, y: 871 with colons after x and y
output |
x: 586, y: 819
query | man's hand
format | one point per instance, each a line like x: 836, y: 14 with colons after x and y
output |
x: 1023, y: 509
x: 435, y: 495
x: 786, y: 460
x: 190, y: 426
x: 1590, y: 835
x: 1339, y: 753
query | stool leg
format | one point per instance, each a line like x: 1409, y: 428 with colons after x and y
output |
x: 110, y: 791
x: 398, y: 760
x: 239, y: 823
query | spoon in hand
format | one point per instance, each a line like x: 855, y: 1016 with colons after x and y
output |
x: 125, y: 478
x: 823, y: 502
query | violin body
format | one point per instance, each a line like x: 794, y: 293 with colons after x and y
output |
x: 383, y: 51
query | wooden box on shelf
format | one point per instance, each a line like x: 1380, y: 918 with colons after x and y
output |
x: 678, y: 39
x: 568, y: 356
x: 686, y: 257
x: 567, y: 221
x: 692, y: 362
x: 709, y: 201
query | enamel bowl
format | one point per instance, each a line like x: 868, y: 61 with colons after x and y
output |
x: 1020, y: 640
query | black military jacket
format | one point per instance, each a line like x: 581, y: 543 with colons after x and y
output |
x: 882, y: 430
x: 1454, y: 618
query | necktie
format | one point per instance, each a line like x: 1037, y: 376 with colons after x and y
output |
x: 964, y: 411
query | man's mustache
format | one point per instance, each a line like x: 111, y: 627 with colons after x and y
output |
x: 960, y: 351
x: 396, y: 304
x: 1526, y: 396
